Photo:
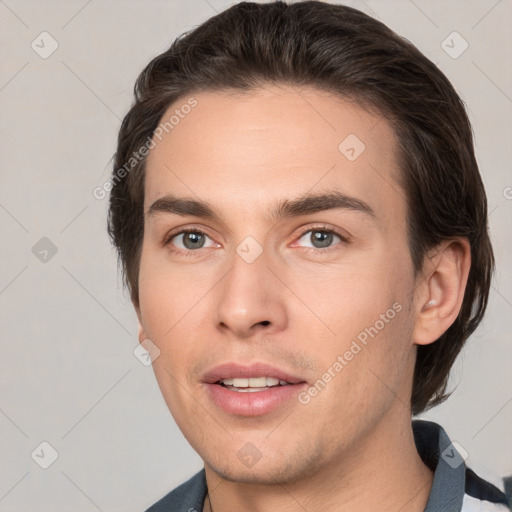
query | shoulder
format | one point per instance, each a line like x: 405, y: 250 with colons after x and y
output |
x: 188, y: 497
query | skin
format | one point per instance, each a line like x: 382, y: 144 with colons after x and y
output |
x: 351, y: 445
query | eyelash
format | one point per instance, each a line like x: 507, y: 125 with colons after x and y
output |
x: 321, y: 227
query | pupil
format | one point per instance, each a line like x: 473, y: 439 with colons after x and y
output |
x: 193, y: 240
x: 323, y: 238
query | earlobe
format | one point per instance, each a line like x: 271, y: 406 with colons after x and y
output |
x: 441, y: 291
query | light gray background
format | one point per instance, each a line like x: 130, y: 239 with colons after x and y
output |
x: 67, y: 372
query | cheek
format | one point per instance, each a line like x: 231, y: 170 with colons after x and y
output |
x: 362, y: 373
x: 169, y: 296
x: 347, y: 299
x: 168, y: 315
x: 365, y: 318
x: 382, y: 331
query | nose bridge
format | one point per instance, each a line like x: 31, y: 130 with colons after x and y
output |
x: 250, y: 293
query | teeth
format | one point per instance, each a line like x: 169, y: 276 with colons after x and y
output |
x: 257, y: 382
x: 253, y: 382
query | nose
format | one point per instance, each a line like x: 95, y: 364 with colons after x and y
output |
x: 250, y: 298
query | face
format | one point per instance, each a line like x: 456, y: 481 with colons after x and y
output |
x: 276, y: 280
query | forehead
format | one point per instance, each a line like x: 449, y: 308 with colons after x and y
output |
x: 245, y: 149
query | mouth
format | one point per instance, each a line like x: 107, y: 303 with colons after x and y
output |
x: 252, y: 390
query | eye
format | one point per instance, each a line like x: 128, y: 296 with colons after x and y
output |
x: 320, y: 238
x: 189, y: 240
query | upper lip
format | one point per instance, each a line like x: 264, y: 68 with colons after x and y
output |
x: 235, y: 370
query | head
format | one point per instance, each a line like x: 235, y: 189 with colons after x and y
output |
x: 238, y: 121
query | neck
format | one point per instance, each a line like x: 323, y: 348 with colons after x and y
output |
x: 384, y: 472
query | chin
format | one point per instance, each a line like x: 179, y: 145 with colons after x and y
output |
x: 272, y: 471
x: 263, y: 476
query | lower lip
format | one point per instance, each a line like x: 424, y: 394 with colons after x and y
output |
x: 253, y: 403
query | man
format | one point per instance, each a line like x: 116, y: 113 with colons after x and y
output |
x: 303, y: 230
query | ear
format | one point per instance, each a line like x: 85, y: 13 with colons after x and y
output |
x: 142, y: 335
x: 440, y: 289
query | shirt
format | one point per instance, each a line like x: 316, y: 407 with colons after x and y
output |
x: 455, y: 487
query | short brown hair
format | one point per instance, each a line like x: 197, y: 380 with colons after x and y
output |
x: 337, y: 49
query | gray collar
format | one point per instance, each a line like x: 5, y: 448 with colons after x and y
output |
x: 439, y: 454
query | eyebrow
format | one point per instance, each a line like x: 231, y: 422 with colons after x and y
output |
x: 304, y: 205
